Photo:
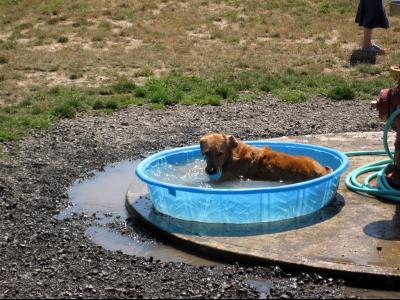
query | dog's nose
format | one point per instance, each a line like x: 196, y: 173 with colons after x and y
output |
x: 211, y: 171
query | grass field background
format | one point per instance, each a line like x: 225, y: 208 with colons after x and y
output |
x: 58, y: 58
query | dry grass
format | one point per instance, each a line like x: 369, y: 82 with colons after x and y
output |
x: 94, y: 42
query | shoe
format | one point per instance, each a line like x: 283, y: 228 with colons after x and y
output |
x: 376, y: 49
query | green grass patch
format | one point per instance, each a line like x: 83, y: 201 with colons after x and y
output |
x: 51, y: 7
x: 14, y: 125
x: 8, y: 45
x: 98, y: 104
x: 156, y: 106
x: 173, y: 89
x: 293, y: 96
x: 111, y: 104
x: 44, y: 106
x: 64, y: 111
x: 176, y: 88
x: 37, y: 111
x: 368, y: 69
x: 295, y: 86
x: 123, y: 87
x: 342, y: 92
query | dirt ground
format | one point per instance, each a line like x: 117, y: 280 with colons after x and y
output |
x: 41, y: 256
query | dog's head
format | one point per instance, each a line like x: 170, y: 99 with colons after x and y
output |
x: 217, y: 150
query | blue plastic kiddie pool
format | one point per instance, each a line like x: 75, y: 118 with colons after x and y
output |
x: 248, y: 205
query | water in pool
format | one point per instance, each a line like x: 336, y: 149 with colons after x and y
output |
x: 192, y: 174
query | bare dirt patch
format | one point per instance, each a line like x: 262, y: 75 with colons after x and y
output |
x: 200, y: 37
x: 158, y: 10
x: 5, y: 35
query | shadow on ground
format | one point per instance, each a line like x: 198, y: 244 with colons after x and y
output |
x: 362, y: 57
x: 386, y: 229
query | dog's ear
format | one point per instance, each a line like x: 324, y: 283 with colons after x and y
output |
x: 202, y: 145
x: 232, y: 141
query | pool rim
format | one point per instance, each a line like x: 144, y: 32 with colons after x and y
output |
x: 140, y: 171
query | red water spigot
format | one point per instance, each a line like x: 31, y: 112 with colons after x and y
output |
x: 383, y: 104
x: 389, y: 100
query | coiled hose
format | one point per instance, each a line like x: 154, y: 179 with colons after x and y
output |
x: 376, y: 170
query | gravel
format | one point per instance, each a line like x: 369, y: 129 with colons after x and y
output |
x: 41, y: 256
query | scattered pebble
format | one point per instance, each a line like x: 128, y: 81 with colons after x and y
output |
x: 42, y: 256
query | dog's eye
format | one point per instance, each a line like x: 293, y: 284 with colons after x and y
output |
x: 220, y: 153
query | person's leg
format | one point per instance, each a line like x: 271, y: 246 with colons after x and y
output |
x: 368, y: 45
x: 371, y: 15
x: 367, y: 41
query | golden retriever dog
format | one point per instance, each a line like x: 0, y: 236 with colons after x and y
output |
x: 228, y: 158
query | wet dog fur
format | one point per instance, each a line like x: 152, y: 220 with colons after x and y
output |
x: 233, y: 158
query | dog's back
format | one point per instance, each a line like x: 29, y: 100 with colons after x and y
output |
x: 240, y: 159
x: 282, y: 166
x: 264, y: 163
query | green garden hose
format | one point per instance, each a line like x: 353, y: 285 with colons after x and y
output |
x: 375, y: 170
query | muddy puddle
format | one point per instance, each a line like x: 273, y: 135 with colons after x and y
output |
x: 101, y: 198
x: 263, y: 287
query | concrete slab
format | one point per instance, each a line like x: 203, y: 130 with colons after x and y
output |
x: 355, y: 236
